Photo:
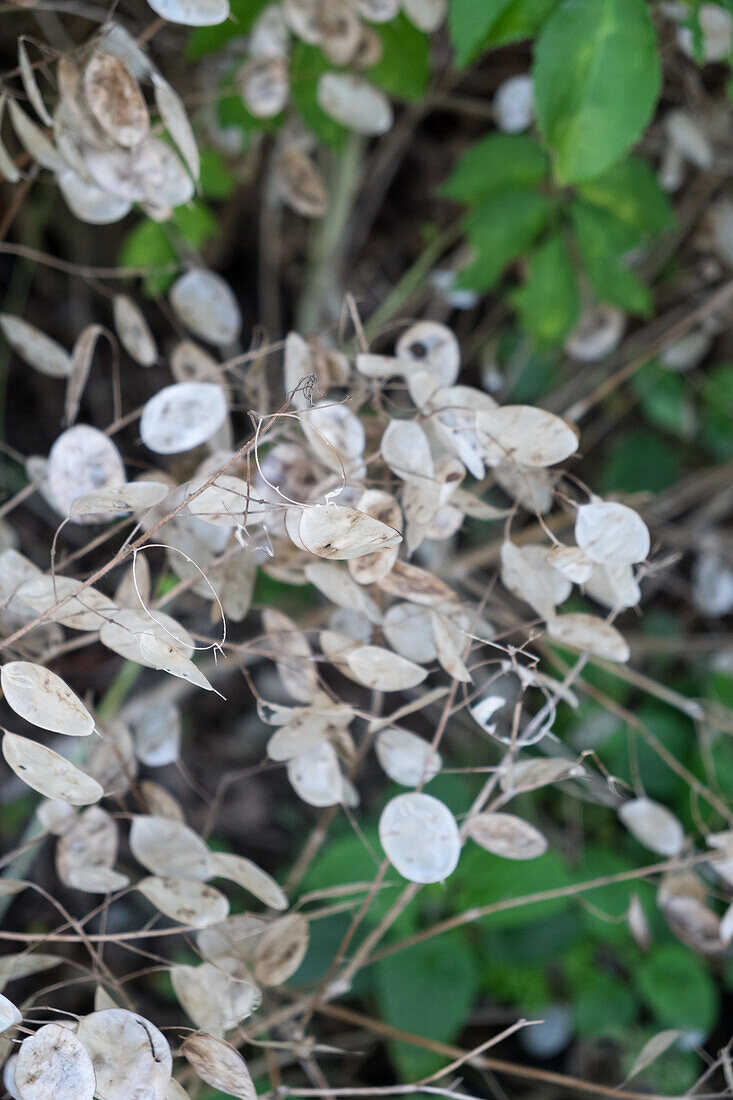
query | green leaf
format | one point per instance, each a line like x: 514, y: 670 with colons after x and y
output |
x: 640, y: 461
x: 604, y: 242
x: 678, y: 988
x: 501, y: 229
x: 631, y: 193
x: 306, y: 65
x: 216, y: 181
x: 495, y: 163
x: 427, y: 990
x: 483, y: 879
x: 206, y: 40
x: 548, y: 304
x: 469, y: 24
x: 522, y: 19
x: 717, y: 409
x: 597, y: 79
x: 404, y: 68
x: 196, y: 223
x: 147, y: 245
x: 602, y: 1003
x: 665, y: 399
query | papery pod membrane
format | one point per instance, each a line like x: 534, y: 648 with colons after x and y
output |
x: 572, y: 562
x: 115, y: 99
x: 161, y: 802
x: 408, y: 630
x: 586, y: 632
x: 87, y: 611
x: 507, y: 835
x: 264, y: 86
x: 182, y: 416
x: 175, y: 120
x: 169, y: 849
x: 48, y: 773
x: 131, y: 1056
x: 53, y: 1062
x: 213, y: 998
x: 653, y: 825
x: 8, y: 168
x: 82, y: 460
x: 218, y: 1064
x: 433, y: 348
x: 513, y: 104
x: 10, y: 1015
x: 42, y: 698
x: 406, y: 450
x: 597, y: 333
x: 133, y: 331
x: 90, y: 845
x: 281, y: 949
x: 338, y: 532
x: 611, y: 533
x: 336, y: 584
x: 249, y: 876
x: 406, y: 758
x: 120, y: 500
x: 124, y: 627
x: 300, y: 184
x: 527, y: 573
x: 409, y: 582
x: 335, y: 434
x: 369, y: 568
x: 206, y: 305
x: 37, y: 349
x: 90, y: 203
x: 524, y: 434
x: 185, y: 901
x: 156, y: 728
x: 315, y: 776
x: 192, y: 13
x: 355, y: 103
x: 81, y: 357
x: 420, y: 837
x: 162, y: 654
x: 427, y: 15
x: 34, y: 141
x: 383, y: 670
x: 24, y: 964
x: 292, y: 654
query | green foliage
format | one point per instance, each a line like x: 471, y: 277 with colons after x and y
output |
x: 208, y: 40
x: 216, y: 181
x: 500, y: 230
x: 548, y: 303
x: 404, y: 68
x: 152, y: 244
x: 630, y: 192
x: 603, y: 243
x: 431, y: 993
x: 639, y: 461
x: 496, y: 163
x: 597, y: 79
x: 677, y: 988
x: 479, y: 26
x: 306, y: 65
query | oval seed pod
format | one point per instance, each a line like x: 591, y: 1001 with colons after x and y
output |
x: 587, y: 632
x: 213, y: 998
x: 524, y: 434
x: 38, y: 350
x: 219, y: 1065
x: 90, y: 203
x: 337, y: 531
x: 43, y: 698
x: 406, y: 450
x: 174, y: 118
x: 133, y: 331
x: 408, y: 630
x: 406, y: 758
x: 9, y: 1014
x: 169, y: 849
x: 382, y: 506
x: 120, y: 500
x: 514, y: 104
x: 597, y: 333
x: 264, y: 86
x: 420, y: 837
x: 653, y: 825
x: 355, y: 103
x: 611, y: 533
x: 85, y: 854
x: 507, y: 835
x: 315, y: 776
x: 54, y: 1063
x: 48, y: 773
x: 281, y: 949
x: 526, y: 572
x: 431, y: 347
x: 300, y: 184
x: 115, y: 99
x: 185, y: 901
x: 182, y: 416
x: 383, y: 670
x: 292, y: 654
x: 426, y: 15
x: 249, y: 876
x: 335, y: 434
x: 131, y: 1057
x: 192, y: 13
x: 81, y: 460
x: 206, y: 305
